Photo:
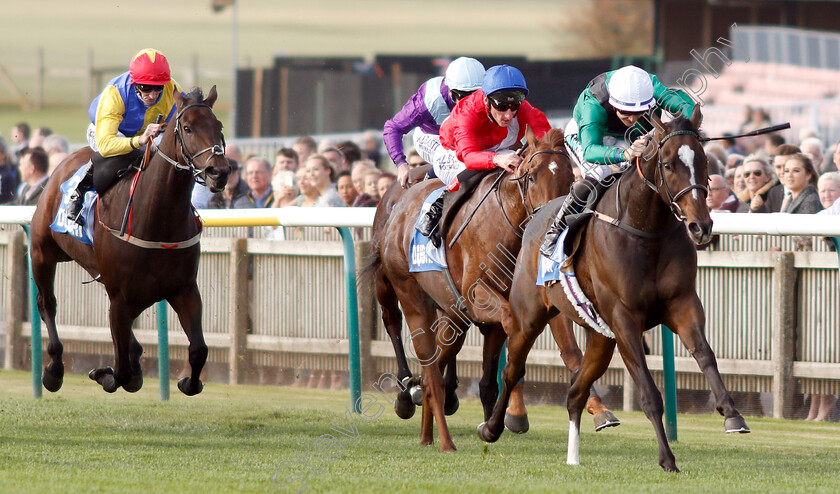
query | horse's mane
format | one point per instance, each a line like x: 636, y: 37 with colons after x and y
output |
x: 195, y: 95
x: 680, y: 123
x: 553, y: 138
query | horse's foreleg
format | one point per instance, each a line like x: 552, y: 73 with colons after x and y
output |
x: 450, y: 381
x: 562, y: 331
x: 43, y: 273
x: 121, y: 317
x: 628, y: 331
x: 187, y: 304
x: 135, y: 351
x: 599, y: 350
x: 689, y: 324
x: 494, y: 339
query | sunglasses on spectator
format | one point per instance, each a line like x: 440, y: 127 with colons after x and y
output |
x: 503, y: 107
x: 148, y: 88
x: 757, y: 173
x: 715, y: 189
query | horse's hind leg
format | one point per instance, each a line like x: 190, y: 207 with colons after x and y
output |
x: 404, y: 406
x: 43, y: 272
x: 561, y: 330
x: 450, y: 381
x: 689, y: 323
x: 187, y: 304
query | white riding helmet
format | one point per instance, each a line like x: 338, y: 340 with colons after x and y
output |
x: 464, y: 74
x: 631, y: 89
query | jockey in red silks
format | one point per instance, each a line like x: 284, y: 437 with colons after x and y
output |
x: 479, y: 134
x: 427, y: 109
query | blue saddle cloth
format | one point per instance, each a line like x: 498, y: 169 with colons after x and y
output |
x: 424, y: 255
x: 63, y: 225
x: 549, y: 267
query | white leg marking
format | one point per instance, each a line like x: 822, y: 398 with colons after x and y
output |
x: 573, y: 454
x: 686, y: 154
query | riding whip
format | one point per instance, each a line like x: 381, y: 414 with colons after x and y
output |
x: 146, y: 158
x: 765, y: 130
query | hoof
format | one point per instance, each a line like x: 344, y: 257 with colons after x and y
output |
x: 134, y: 384
x: 185, y: 384
x: 416, y: 395
x: 404, y: 407
x: 451, y: 406
x: 51, y: 383
x: 109, y: 383
x: 485, y: 434
x: 736, y: 424
x: 516, y: 424
x: 606, y: 419
x: 97, y: 374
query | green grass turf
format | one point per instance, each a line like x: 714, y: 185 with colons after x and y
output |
x: 234, y: 438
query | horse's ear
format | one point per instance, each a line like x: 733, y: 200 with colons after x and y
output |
x: 179, y: 99
x: 696, y: 117
x: 530, y: 137
x: 211, y: 97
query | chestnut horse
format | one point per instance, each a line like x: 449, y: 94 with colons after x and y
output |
x: 158, y: 257
x: 477, y: 262
x: 638, y: 274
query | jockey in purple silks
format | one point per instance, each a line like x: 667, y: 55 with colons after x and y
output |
x: 426, y: 110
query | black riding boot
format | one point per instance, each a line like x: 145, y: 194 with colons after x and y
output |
x: 558, y: 225
x: 430, y: 222
x: 77, y: 198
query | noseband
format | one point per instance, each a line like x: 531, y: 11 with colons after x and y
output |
x: 672, y: 198
x: 214, y: 150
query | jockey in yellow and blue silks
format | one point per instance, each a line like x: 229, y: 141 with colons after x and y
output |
x: 123, y: 117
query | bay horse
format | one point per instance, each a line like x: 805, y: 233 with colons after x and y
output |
x: 638, y: 267
x: 156, y: 259
x: 479, y: 262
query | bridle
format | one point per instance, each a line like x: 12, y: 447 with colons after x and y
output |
x: 214, y: 150
x: 522, y: 183
x: 659, y: 171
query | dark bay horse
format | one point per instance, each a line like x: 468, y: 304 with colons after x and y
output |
x: 636, y: 279
x: 157, y: 258
x: 478, y: 262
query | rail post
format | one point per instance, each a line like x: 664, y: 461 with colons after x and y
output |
x: 670, y: 383
x: 352, y: 318
x: 35, y: 317
x: 163, y: 349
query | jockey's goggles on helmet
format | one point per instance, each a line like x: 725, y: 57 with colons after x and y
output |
x: 148, y: 88
x: 506, y: 100
x: 459, y: 94
x: 624, y: 112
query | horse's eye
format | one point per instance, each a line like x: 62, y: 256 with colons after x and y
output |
x: 531, y: 178
x: 187, y: 129
x: 667, y: 166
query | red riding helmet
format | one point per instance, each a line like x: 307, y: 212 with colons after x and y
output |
x: 149, y: 66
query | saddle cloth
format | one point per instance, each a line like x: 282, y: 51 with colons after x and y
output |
x: 61, y: 224
x: 424, y: 256
x: 558, y: 268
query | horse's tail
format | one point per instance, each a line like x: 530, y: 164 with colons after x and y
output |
x: 373, y: 263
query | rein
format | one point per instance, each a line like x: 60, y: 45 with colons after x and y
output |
x: 215, y: 150
x: 659, y: 176
x: 522, y: 182
x: 672, y: 198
